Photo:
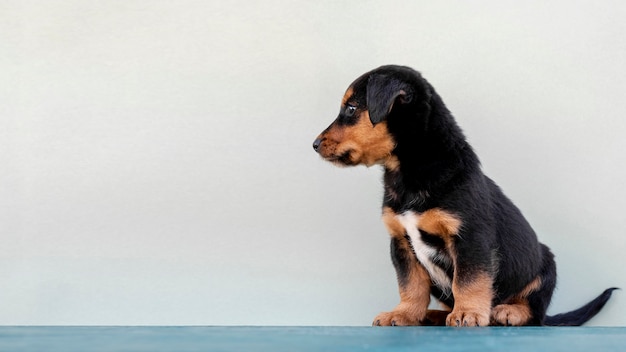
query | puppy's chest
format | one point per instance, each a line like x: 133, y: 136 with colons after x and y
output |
x: 431, y: 250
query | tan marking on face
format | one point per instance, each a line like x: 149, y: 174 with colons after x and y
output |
x: 439, y: 222
x: 361, y: 143
x: 472, y: 301
x: 368, y: 144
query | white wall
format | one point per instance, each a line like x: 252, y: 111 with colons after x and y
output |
x: 157, y: 164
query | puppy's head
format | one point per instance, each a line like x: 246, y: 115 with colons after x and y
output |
x: 360, y: 134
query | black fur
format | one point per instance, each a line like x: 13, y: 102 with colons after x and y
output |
x: 438, y: 168
x: 401, y: 258
x: 581, y: 315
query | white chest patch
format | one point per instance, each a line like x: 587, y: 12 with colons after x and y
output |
x: 425, y: 253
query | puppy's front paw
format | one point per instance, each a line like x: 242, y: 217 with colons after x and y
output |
x: 397, y: 317
x: 467, y: 318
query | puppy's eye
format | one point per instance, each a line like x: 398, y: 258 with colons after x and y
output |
x: 350, y: 110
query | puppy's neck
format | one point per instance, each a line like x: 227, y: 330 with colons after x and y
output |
x: 429, y: 160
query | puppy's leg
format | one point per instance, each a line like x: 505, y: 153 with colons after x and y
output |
x: 414, y: 287
x: 529, y: 306
x: 473, y: 294
x: 413, y: 279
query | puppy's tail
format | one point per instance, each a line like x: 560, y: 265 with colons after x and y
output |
x: 581, y: 315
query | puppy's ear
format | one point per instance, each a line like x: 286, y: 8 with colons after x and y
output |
x: 382, y: 93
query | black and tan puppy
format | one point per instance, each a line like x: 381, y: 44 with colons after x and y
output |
x: 454, y: 234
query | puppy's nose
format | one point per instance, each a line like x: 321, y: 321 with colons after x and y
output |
x: 316, y: 144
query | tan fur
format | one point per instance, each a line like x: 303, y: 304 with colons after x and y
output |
x: 516, y: 310
x: 516, y: 313
x: 368, y: 144
x: 439, y: 222
x: 392, y: 163
x: 415, y: 293
x: 394, y: 227
x: 472, y: 301
x: 365, y: 143
x: 533, y: 286
x: 414, y: 300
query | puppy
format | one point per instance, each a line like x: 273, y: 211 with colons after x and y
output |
x: 454, y: 234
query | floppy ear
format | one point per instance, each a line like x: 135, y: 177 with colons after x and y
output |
x: 382, y: 93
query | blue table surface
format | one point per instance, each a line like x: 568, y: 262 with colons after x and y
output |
x: 209, y: 338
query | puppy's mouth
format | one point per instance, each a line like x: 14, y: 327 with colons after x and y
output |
x: 343, y: 159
